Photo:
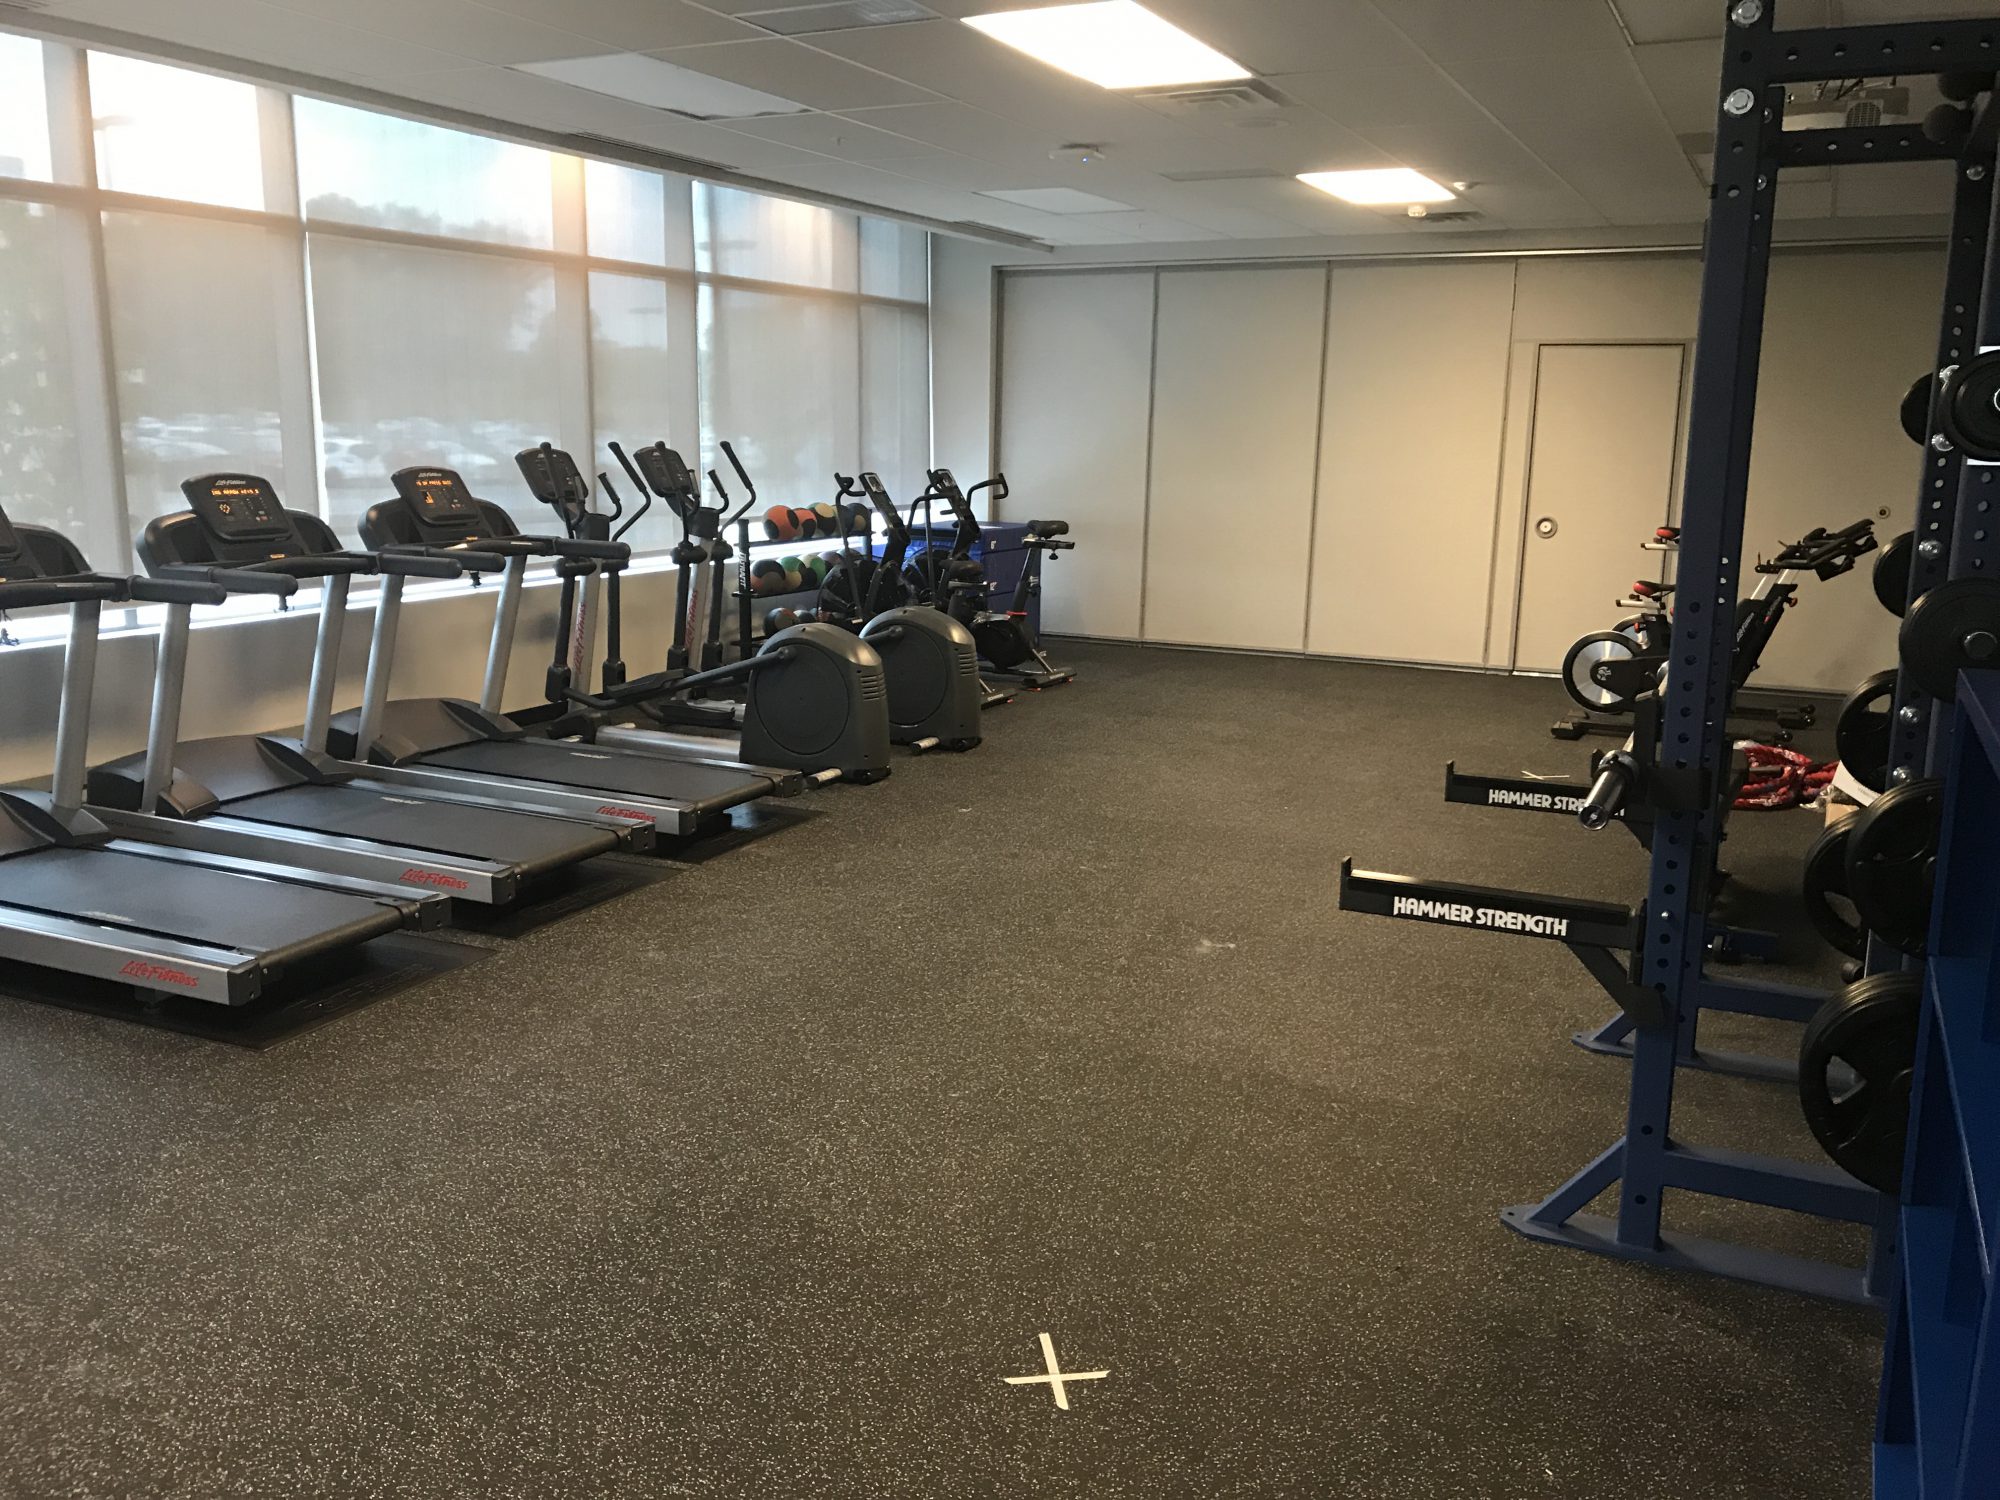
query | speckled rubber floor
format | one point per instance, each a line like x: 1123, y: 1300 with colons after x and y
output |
x: 757, y: 1182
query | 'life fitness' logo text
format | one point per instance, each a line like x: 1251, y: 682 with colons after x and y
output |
x: 152, y: 973
x: 631, y: 814
x: 414, y: 876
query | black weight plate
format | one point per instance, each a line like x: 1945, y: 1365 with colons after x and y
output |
x: 1970, y: 409
x: 1955, y: 625
x: 1824, y: 884
x: 1892, y: 573
x: 1861, y: 731
x: 1855, y: 1062
x: 1917, y: 409
x: 1891, y: 861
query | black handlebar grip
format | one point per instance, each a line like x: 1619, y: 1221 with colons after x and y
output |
x: 176, y: 591
x: 582, y: 547
x: 34, y: 592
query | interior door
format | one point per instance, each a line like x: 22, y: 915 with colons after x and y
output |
x: 1601, y: 472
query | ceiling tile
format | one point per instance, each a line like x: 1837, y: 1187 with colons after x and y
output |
x: 1452, y: 30
x: 835, y: 136
x: 1297, y: 36
x: 792, y: 70
x: 260, y: 33
x: 460, y: 27
x: 1879, y: 192
x: 632, y: 25
x: 1683, y: 77
x: 1154, y: 228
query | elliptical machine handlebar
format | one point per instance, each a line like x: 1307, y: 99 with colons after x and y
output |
x: 997, y: 484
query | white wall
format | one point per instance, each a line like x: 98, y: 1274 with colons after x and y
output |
x: 1403, y: 500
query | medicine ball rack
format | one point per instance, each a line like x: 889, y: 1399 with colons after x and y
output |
x: 1657, y: 970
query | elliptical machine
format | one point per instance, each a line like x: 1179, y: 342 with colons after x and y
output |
x: 1006, y: 638
x: 930, y: 659
x: 813, y: 697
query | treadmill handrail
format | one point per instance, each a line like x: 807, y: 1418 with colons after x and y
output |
x: 252, y: 580
x: 415, y: 560
x: 31, y: 593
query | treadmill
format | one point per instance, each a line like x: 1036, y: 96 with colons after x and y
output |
x: 433, y: 742
x: 75, y: 898
x: 272, y: 797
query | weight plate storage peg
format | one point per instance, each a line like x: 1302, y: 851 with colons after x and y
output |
x: 1892, y: 573
x: 1892, y: 848
x: 1969, y: 407
x: 1855, y: 1063
x: 1861, y: 732
x: 1825, y: 889
x: 1954, y: 626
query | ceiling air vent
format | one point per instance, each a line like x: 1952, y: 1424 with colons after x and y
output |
x: 667, y: 159
x: 1222, y: 103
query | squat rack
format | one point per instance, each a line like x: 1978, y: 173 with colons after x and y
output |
x: 1664, y: 986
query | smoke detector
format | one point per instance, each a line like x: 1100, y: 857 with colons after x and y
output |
x: 1078, y: 153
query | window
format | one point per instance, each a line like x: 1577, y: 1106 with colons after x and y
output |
x: 895, y: 261
x: 432, y: 357
x: 24, y: 110
x: 322, y: 294
x: 642, y: 381
x: 772, y: 239
x: 40, y: 472
x: 189, y: 402
x: 358, y: 167
x: 638, y: 216
x: 896, y: 397
x: 780, y: 378
x: 170, y: 133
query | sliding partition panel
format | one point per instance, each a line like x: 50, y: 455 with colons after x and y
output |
x: 1416, y: 380
x: 1235, y: 434
x: 1075, y: 405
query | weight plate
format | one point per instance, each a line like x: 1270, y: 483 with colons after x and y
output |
x: 1861, y: 732
x: 1892, y: 573
x: 1580, y: 664
x: 1891, y: 860
x: 1917, y: 409
x: 1969, y: 408
x: 1855, y: 1062
x: 1954, y: 626
x: 1825, y: 888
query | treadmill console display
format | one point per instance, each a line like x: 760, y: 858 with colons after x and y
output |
x: 438, y: 495
x: 238, y: 508
x: 666, y: 472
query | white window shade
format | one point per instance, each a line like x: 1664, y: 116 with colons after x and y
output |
x: 642, y: 381
x: 432, y: 357
x: 171, y: 133
x: 779, y: 380
x: 24, y: 110
x: 187, y: 404
x: 40, y: 467
x: 357, y: 167
x: 774, y: 239
x: 896, y: 396
x: 638, y: 216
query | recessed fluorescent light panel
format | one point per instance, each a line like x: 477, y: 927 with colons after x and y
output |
x: 647, y: 80
x: 1379, y: 186
x: 1116, y: 44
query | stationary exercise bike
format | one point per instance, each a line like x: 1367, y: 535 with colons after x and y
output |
x: 1006, y: 638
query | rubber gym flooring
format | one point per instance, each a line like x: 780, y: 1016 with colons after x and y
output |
x: 759, y: 1181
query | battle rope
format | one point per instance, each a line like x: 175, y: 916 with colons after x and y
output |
x: 1782, y: 778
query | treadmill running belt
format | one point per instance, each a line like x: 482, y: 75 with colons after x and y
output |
x: 706, y: 789
x: 278, y: 923
x: 390, y: 816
